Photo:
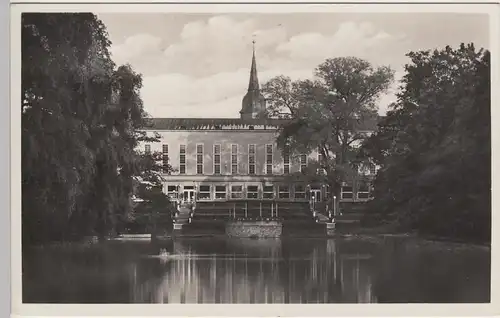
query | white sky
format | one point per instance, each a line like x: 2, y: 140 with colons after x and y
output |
x: 197, y: 65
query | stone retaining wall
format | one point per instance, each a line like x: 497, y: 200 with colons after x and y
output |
x: 330, y: 229
x: 254, y: 229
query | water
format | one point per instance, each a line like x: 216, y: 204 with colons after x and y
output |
x: 211, y: 270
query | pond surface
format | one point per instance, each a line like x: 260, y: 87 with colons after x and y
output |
x: 217, y: 270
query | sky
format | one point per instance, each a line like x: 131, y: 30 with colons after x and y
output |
x: 197, y: 65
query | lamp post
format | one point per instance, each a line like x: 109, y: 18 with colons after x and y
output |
x: 330, y: 212
x: 323, y: 198
x: 313, y: 205
x: 309, y: 195
x: 334, y: 205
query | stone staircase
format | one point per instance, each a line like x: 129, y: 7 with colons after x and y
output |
x: 319, y: 210
x: 182, y: 217
x: 321, y: 218
x: 297, y: 217
x: 210, y: 218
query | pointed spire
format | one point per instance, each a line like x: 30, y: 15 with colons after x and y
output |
x: 253, y: 103
x: 253, y: 84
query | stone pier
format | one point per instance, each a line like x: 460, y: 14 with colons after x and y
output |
x: 258, y: 229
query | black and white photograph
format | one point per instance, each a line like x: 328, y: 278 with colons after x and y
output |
x: 305, y: 156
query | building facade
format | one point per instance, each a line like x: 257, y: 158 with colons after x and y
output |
x: 235, y: 158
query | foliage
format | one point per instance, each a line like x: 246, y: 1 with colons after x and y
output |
x: 153, y: 209
x: 328, y: 114
x: 434, y: 146
x: 80, y: 121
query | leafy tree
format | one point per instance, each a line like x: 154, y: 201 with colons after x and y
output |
x: 65, y: 76
x: 116, y: 158
x: 80, y: 121
x: 153, y: 210
x: 434, y: 146
x: 328, y: 114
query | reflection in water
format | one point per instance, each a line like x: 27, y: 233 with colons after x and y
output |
x: 259, y: 271
x: 249, y: 274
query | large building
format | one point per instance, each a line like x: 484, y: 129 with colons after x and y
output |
x: 221, y: 159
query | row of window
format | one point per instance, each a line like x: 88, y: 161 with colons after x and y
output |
x: 234, y: 159
x: 268, y: 192
x: 362, y: 193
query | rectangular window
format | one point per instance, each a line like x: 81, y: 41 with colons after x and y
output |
x: 300, y: 191
x: 363, y: 191
x: 164, y: 158
x: 269, y: 159
x: 199, y: 159
x: 269, y: 169
x: 236, y: 192
x: 252, y: 192
x: 147, y: 149
x: 303, y: 163
x: 220, y: 192
x: 373, y: 169
x: 172, y: 191
x: 284, y: 192
x: 286, y: 160
x: 204, y: 192
x: 182, y: 159
x: 268, y: 192
x: 346, y: 192
x: 328, y: 193
x: 251, y: 159
x: 217, y: 159
x: 234, y: 159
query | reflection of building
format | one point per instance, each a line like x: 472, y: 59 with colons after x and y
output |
x: 311, y: 274
x: 236, y: 158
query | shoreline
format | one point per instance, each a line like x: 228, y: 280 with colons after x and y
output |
x: 375, y: 236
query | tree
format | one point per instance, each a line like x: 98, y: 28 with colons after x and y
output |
x: 65, y: 77
x: 116, y: 159
x: 329, y: 114
x: 153, y: 209
x: 81, y: 121
x: 434, y: 146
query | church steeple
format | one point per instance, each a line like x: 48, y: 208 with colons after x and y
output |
x: 254, y: 103
x: 254, y: 80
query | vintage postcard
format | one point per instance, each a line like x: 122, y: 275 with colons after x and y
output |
x: 284, y: 159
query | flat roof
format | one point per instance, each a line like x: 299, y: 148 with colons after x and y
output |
x: 210, y: 123
x: 220, y: 123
